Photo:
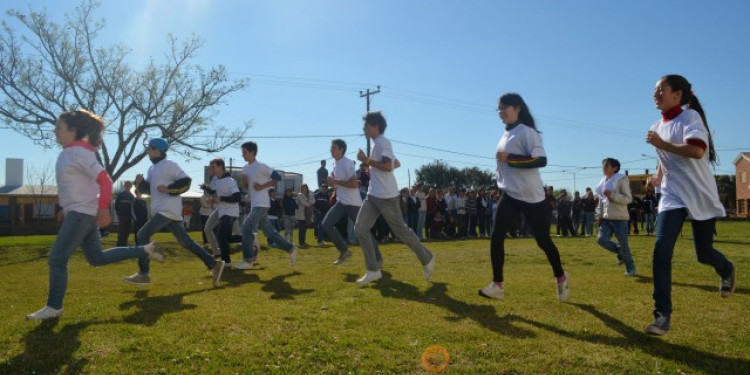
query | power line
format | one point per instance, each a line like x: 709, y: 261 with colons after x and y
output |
x: 441, y: 150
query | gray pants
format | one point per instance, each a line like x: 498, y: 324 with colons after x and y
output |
x: 390, y: 209
x: 332, y: 218
x: 208, y: 230
x: 211, y: 224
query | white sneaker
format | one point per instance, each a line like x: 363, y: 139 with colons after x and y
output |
x: 369, y: 277
x: 343, y: 257
x: 45, y: 313
x: 293, y: 257
x: 429, y: 268
x: 244, y: 265
x: 492, y: 291
x: 154, y: 252
x: 563, y: 288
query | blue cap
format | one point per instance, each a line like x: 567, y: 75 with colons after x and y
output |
x: 159, y: 144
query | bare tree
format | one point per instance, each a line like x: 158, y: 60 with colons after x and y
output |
x: 55, y: 68
x: 40, y: 182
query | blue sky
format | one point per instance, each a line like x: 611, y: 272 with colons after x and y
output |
x: 585, y: 68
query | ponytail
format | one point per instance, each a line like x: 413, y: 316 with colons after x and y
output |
x: 695, y: 105
x: 86, y: 124
x: 680, y: 83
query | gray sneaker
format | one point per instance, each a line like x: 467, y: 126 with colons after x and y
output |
x: 660, y: 326
x: 217, y: 271
x: 563, y: 288
x: 728, y: 284
x: 137, y: 279
x: 45, y: 313
x: 293, y: 257
x: 154, y: 252
x: 343, y: 257
x: 492, y: 291
x: 369, y: 277
x: 429, y: 268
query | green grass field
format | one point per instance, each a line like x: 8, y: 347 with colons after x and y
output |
x: 317, y: 320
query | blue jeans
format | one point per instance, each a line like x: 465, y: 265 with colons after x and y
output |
x: 350, y: 229
x: 618, y: 228
x: 588, y: 224
x: 80, y: 230
x: 648, y: 218
x: 390, y: 209
x: 177, y: 228
x: 421, y: 218
x: 577, y: 218
x: 332, y: 218
x: 668, y: 227
x: 258, y: 216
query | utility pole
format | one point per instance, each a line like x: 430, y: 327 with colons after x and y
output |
x: 367, y: 94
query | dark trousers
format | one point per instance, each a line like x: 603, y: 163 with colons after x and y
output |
x: 123, y: 230
x: 302, y: 230
x: 429, y: 217
x: 537, y: 216
x: 138, y: 225
x: 634, y: 221
x: 566, y: 225
x: 226, y: 223
x: 472, y: 227
x: 462, y: 220
x: 668, y: 228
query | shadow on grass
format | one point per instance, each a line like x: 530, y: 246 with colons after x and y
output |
x: 151, y: 309
x: 485, y: 315
x: 281, y: 289
x: 632, y: 339
x: 708, y: 288
x: 13, y: 257
x: 50, y: 352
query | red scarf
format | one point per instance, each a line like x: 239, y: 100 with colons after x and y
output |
x: 672, y: 113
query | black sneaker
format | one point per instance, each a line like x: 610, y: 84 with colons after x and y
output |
x: 660, y: 326
x: 727, y: 284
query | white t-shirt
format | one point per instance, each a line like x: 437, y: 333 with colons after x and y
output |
x: 450, y: 201
x: 687, y: 182
x: 343, y: 170
x: 257, y: 173
x: 165, y: 172
x: 382, y: 184
x: 226, y: 187
x: 423, y: 200
x: 524, y: 184
x: 460, y: 203
x: 76, y: 171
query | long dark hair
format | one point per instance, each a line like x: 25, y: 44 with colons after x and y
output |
x: 86, y: 124
x: 513, y: 99
x: 679, y: 83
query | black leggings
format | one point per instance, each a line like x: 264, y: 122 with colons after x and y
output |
x: 536, y: 215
